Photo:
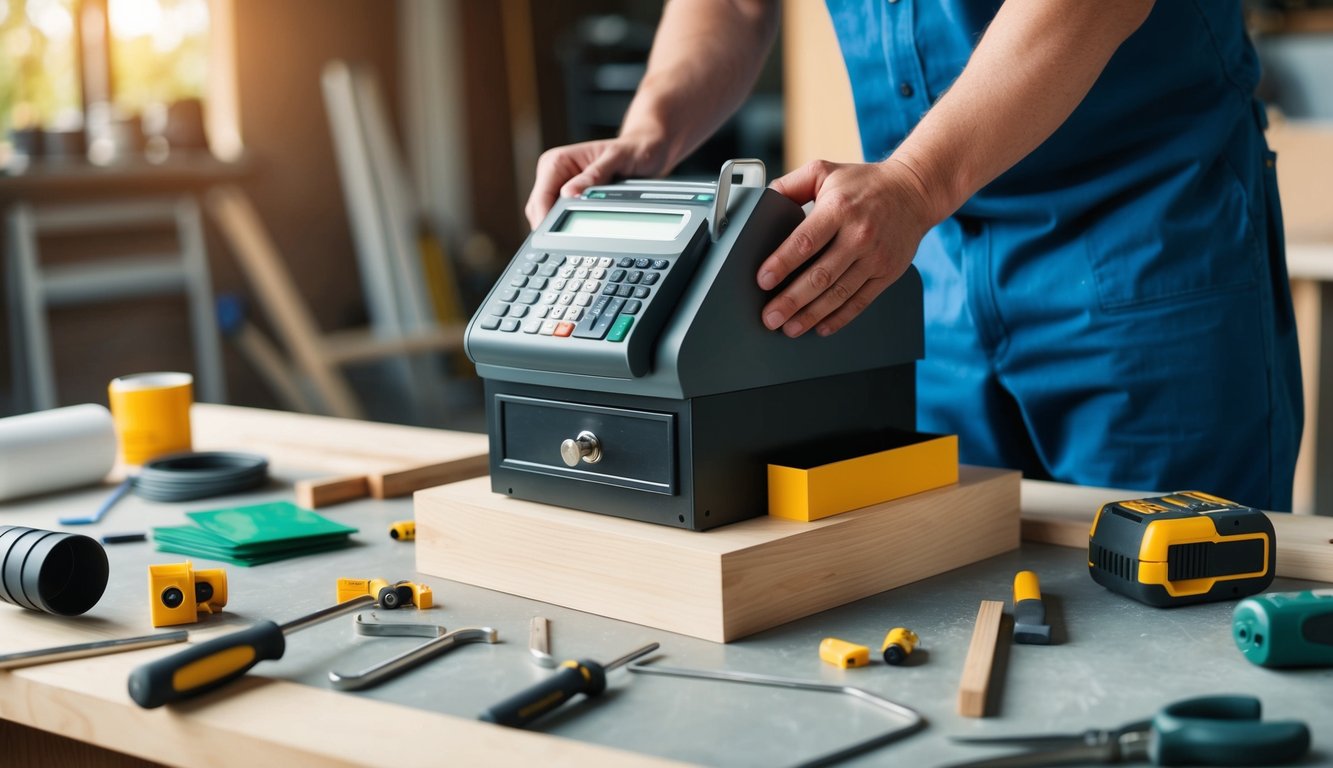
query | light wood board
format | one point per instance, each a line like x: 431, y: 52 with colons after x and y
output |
x: 1056, y: 513
x: 383, y: 460
x: 719, y: 585
x: 980, y: 663
x: 258, y: 721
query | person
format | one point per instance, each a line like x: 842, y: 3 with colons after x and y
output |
x: 1086, y: 191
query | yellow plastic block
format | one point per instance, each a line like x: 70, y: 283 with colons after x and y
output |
x: 913, y: 463
x: 841, y: 653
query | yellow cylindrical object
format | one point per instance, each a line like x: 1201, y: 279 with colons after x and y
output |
x: 841, y: 653
x: 152, y: 414
x: 403, y: 530
x: 898, y: 645
x: 1026, y: 587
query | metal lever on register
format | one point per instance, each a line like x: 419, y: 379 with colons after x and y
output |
x: 586, y: 447
x: 752, y: 173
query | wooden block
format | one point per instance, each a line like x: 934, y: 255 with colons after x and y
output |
x: 977, y: 669
x: 720, y: 585
x: 313, y: 494
x: 1060, y: 514
x: 401, y: 482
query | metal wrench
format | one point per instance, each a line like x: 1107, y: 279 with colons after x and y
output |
x: 440, y: 642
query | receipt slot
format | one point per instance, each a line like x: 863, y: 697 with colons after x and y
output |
x: 627, y: 371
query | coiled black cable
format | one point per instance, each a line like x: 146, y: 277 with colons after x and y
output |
x: 189, y: 476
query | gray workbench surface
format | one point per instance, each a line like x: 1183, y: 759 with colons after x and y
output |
x: 1116, y: 661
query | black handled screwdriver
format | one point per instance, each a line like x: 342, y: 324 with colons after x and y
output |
x: 215, y: 663
x: 584, y: 676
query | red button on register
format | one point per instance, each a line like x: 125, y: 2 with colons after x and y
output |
x: 564, y: 329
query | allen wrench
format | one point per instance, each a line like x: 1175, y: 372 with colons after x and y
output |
x: 915, y: 721
x: 440, y: 642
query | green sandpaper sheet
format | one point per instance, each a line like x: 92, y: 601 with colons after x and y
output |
x: 253, y: 535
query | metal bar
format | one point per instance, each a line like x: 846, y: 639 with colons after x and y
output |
x: 311, y: 619
x: 112, y: 279
x: 409, y: 659
x: 83, y: 650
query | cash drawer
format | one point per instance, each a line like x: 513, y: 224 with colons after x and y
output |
x: 613, y: 446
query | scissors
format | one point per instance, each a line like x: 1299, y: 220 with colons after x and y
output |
x: 1209, y: 730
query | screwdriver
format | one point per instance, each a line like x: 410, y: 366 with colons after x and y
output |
x: 584, y: 676
x: 211, y: 665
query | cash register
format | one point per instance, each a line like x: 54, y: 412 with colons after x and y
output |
x: 627, y: 371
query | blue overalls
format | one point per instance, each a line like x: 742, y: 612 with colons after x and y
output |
x: 1114, y: 309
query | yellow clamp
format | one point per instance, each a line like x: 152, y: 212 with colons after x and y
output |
x: 898, y: 645
x: 177, y: 592
x: 403, y: 530
x: 390, y: 595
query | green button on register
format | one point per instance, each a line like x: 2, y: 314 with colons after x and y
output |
x: 620, y: 329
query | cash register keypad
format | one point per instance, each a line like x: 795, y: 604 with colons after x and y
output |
x: 587, y: 297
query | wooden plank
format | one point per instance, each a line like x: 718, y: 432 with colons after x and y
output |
x: 260, y: 721
x: 1060, y: 514
x: 980, y: 663
x: 313, y: 494
x: 721, y: 585
x: 394, y: 483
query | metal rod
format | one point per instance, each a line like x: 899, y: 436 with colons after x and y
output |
x: 96, y: 648
x: 631, y: 656
x: 915, y: 721
x: 355, y: 604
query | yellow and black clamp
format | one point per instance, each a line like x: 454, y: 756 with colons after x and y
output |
x: 1187, y: 547
x: 898, y: 645
x: 177, y: 592
x: 841, y: 653
x: 389, y: 595
x: 403, y: 530
x: 1030, y: 627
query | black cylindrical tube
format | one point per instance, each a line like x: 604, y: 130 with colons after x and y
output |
x: 60, y: 573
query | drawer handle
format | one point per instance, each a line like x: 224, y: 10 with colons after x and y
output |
x: 586, y: 447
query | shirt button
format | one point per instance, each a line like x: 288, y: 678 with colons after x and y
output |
x: 906, y: 90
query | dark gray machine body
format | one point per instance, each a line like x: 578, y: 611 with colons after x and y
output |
x: 678, y: 416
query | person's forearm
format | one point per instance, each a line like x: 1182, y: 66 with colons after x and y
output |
x: 706, y: 57
x: 1033, y: 66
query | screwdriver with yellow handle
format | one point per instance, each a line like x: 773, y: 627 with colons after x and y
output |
x: 213, y: 664
x: 585, y: 676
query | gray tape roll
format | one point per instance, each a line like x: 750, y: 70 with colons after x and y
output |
x: 49, y: 571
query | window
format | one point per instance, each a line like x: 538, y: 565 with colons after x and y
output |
x: 64, y: 57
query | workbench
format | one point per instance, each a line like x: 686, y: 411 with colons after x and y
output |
x: 1116, y: 661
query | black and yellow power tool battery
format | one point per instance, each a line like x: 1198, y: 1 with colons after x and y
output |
x: 1187, y: 547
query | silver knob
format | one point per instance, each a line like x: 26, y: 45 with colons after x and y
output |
x: 586, y: 447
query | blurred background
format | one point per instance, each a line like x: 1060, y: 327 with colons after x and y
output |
x: 302, y: 202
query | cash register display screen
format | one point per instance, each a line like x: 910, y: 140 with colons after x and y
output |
x: 639, y: 225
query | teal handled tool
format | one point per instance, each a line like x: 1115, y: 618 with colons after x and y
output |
x: 1209, y: 730
x: 585, y: 676
x: 1285, y: 629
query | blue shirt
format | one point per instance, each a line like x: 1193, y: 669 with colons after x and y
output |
x: 1169, y: 123
x: 1114, y: 309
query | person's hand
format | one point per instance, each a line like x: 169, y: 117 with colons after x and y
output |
x: 567, y: 171
x: 860, y: 237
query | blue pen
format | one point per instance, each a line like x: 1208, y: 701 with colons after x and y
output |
x: 96, y: 517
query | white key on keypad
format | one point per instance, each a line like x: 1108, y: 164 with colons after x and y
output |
x: 557, y: 313
x: 583, y: 299
x: 605, y: 261
x: 548, y: 327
